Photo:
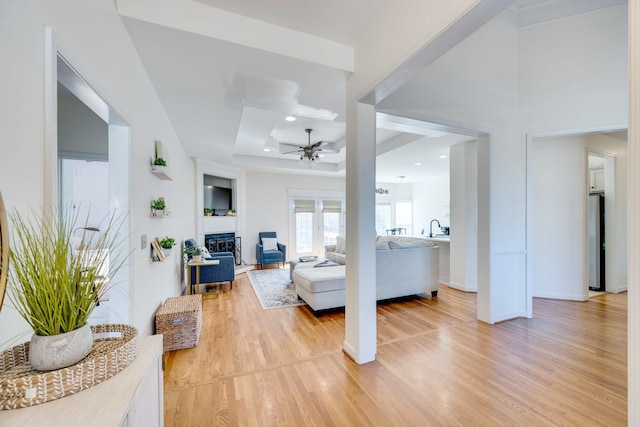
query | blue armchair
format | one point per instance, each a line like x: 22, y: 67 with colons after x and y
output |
x: 225, y: 271
x: 268, y: 256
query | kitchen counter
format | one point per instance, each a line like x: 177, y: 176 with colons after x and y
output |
x: 442, y: 239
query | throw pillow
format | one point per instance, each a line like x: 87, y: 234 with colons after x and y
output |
x: 269, y: 243
x: 204, y: 251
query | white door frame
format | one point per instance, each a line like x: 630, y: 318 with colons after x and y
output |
x: 53, y: 49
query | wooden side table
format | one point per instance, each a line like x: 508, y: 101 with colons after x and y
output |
x: 197, y: 265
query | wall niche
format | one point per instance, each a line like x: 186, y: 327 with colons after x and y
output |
x: 218, y: 195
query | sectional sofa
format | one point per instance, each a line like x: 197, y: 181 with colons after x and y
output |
x: 404, y: 266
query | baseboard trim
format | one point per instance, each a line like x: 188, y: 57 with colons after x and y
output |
x: 567, y: 297
x: 617, y: 290
x: 461, y: 287
x: 508, y: 316
x: 350, y: 351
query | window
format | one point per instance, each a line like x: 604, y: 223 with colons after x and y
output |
x: 304, y: 212
x: 383, y: 217
x: 331, y: 220
x: 318, y: 218
x: 404, y: 215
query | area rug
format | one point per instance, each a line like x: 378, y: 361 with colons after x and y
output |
x: 273, y: 288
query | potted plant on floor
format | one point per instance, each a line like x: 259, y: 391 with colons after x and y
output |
x: 60, y: 270
x: 167, y: 243
x: 194, y: 252
x: 158, y: 206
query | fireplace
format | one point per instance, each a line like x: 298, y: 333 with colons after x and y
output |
x: 224, y: 242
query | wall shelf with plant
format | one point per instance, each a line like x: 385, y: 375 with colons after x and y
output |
x: 159, y: 169
x: 159, y: 208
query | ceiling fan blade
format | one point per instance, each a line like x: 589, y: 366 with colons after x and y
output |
x: 289, y: 147
x: 291, y: 152
x: 329, y: 150
x: 319, y: 144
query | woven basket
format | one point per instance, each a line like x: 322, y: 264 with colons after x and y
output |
x: 179, y: 320
x: 114, y: 348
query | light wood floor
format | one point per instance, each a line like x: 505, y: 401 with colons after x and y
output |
x: 436, y: 365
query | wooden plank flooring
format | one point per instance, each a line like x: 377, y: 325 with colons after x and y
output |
x: 436, y: 366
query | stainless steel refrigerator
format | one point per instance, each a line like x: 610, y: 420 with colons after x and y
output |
x: 596, y: 242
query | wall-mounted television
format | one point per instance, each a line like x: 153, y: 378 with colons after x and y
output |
x: 218, y: 194
x: 221, y: 198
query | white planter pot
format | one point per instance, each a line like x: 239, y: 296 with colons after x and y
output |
x: 166, y: 251
x: 60, y: 351
x: 158, y: 212
x: 196, y: 258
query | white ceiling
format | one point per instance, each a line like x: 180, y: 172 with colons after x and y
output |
x: 228, y: 101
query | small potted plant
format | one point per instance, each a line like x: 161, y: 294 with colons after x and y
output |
x: 166, y: 243
x: 158, y: 206
x: 159, y: 164
x: 194, y: 252
x: 208, y: 212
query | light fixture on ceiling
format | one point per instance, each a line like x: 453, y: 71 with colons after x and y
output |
x: 444, y: 156
x: 266, y: 150
x: 290, y: 119
x: 310, y: 153
x: 401, y: 177
x: 417, y: 164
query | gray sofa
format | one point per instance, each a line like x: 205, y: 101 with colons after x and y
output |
x: 404, y: 266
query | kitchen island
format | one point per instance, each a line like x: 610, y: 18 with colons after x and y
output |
x: 444, y: 242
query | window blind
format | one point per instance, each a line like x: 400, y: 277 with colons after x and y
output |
x: 304, y: 206
x: 332, y: 206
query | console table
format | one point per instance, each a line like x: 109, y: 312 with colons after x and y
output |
x: 131, y: 398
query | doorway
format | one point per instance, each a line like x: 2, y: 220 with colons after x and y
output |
x: 573, y: 180
x: 316, y: 220
x: 91, y: 170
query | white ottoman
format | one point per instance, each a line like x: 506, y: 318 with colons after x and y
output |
x: 322, y: 287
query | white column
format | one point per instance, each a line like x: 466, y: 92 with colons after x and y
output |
x: 484, y: 233
x: 360, y: 309
x: 633, y: 168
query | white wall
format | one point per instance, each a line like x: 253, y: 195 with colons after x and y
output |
x: 267, y: 205
x: 95, y: 40
x: 559, y: 218
x: 430, y: 201
x: 475, y: 86
x: 573, y: 72
x: 560, y: 188
x: 79, y: 128
x: 464, y: 216
x: 572, y: 77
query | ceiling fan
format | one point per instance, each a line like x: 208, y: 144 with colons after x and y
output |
x: 309, y: 154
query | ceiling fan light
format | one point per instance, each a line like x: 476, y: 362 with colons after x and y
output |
x: 290, y: 119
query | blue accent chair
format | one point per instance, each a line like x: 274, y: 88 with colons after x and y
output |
x: 225, y: 271
x: 270, y: 256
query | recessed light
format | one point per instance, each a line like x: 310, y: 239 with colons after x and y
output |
x: 418, y: 164
x: 290, y: 119
x: 444, y: 156
x: 266, y: 149
x: 320, y: 155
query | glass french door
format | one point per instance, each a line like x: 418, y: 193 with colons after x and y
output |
x: 317, y: 222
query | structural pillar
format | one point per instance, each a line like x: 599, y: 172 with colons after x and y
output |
x: 360, y: 308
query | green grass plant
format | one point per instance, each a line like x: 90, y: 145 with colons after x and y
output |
x: 57, y: 268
